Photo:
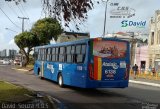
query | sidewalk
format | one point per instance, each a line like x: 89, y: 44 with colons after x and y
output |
x: 25, y: 69
x: 144, y: 81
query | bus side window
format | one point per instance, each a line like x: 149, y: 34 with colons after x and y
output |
x: 57, y: 54
x: 62, y: 54
x: 39, y: 54
x: 80, y: 53
x: 68, y: 54
x: 45, y: 54
x: 83, y: 50
x: 77, y: 54
x: 53, y: 54
x: 49, y: 54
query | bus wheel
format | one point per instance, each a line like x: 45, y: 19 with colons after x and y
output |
x: 60, y: 80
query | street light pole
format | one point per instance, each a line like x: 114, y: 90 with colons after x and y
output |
x: 11, y: 30
x: 105, y: 18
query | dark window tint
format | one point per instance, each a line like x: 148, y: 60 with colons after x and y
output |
x: 83, y: 50
x: 69, y: 58
x: 48, y: 57
x: 79, y: 58
x: 62, y: 50
x: 57, y: 50
x: 49, y: 50
x: 53, y: 57
x: 68, y: 49
x: 78, y: 49
x: 56, y: 59
x: 53, y: 50
x: 61, y: 58
x: 73, y: 50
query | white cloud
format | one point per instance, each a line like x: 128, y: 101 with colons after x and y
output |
x: 11, y: 42
x: 1, y: 37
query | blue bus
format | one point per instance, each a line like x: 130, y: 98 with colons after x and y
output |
x: 87, y: 63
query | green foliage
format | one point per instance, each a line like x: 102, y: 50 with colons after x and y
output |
x: 46, y: 29
x: 41, y: 33
x: 26, y: 39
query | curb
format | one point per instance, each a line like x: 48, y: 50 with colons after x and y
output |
x: 145, y: 83
x: 55, y: 102
x: 22, y: 69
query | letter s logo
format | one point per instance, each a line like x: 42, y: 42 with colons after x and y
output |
x: 124, y: 23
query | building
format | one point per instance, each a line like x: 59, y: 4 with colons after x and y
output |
x: 3, y: 53
x: 10, y: 54
x: 71, y: 36
x: 154, y: 41
x: 141, y: 56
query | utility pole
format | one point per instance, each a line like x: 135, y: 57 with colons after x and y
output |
x: 132, y: 47
x: 105, y: 18
x: 23, y: 18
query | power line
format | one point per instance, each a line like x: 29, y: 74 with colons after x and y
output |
x: 24, y: 10
x: 20, y: 10
x: 9, y: 18
x: 28, y: 23
x: 12, y: 9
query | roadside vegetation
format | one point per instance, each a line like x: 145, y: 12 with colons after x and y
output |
x: 12, y: 94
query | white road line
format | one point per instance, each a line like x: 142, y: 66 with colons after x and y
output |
x: 144, y: 83
x: 3, y: 65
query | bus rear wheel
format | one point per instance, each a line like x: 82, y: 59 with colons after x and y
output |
x: 60, y: 80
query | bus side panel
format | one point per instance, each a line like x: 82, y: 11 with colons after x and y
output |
x: 67, y: 70
x: 37, y: 66
x: 47, y: 72
x: 54, y: 74
x: 79, y: 75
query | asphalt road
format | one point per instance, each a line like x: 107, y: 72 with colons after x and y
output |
x: 134, y: 97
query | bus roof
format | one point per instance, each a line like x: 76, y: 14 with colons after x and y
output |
x: 80, y: 41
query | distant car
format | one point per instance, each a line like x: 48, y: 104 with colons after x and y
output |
x: 6, y: 62
x: 1, y: 61
x: 16, y: 62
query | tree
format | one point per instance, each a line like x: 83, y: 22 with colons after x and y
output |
x: 72, y: 10
x: 26, y: 40
x: 46, y: 29
x: 41, y: 33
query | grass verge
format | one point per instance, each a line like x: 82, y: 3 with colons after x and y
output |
x: 13, y: 93
x: 20, y: 98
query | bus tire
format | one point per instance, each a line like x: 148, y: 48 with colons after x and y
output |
x: 60, y: 80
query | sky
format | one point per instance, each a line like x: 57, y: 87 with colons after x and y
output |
x: 143, y: 9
